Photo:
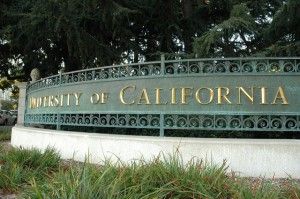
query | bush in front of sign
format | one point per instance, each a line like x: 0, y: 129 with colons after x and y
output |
x: 19, y: 166
x: 160, y: 178
x: 33, y: 174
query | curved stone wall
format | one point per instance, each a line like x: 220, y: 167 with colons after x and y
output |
x: 249, y: 157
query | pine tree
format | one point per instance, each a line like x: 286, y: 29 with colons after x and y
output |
x: 75, y: 34
x: 283, y: 35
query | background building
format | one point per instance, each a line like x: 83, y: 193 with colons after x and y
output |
x: 4, y: 96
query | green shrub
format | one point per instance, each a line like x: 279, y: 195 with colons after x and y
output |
x: 167, y: 178
x: 42, y: 176
x: 19, y: 166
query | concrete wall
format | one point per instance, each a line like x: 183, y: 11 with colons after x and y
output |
x: 21, y: 102
x: 249, y: 157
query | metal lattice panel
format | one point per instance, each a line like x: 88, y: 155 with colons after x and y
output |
x: 255, y: 66
x: 174, y: 121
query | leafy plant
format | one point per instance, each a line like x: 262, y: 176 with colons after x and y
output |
x: 18, y: 166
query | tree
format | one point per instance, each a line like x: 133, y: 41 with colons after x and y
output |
x: 283, y: 35
x: 228, y: 37
x: 256, y: 28
x: 46, y: 34
x: 7, y: 105
x: 75, y: 34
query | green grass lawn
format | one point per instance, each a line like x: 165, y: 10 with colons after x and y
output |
x: 36, y: 174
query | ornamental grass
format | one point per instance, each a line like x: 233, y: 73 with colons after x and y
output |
x: 42, y: 175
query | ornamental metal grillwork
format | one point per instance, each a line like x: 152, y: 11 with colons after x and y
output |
x: 165, y: 94
x: 172, y: 121
x: 221, y: 66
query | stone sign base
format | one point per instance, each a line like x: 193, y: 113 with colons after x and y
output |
x: 249, y: 157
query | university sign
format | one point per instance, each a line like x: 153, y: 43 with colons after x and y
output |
x: 202, y: 96
x: 261, y: 94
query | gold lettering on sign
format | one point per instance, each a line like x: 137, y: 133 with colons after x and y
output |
x: 61, y: 100
x: 223, y: 96
x: 44, y: 101
x: 56, y: 101
x: 39, y: 102
x: 95, y: 98
x: 68, y: 99
x: 280, y: 95
x: 104, y: 97
x: 173, y: 96
x: 198, y: 95
x: 32, y: 102
x: 50, y: 102
x: 144, y: 98
x: 185, y: 92
x: 249, y: 96
x: 157, y: 96
x: 77, y: 96
x: 122, y: 92
x: 263, y: 93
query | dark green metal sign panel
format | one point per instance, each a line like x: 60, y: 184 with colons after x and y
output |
x: 232, y: 94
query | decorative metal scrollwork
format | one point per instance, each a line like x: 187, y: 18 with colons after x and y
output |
x: 276, y: 123
x: 259, y: 66
x: 247, y: 67
x: 220, y: 68
x: 248, y: 123
x: 234, y: 68
x: 181, y: 121
x: 262, y: 122
x: 221, y: 122
x: 154, y: 121
x: 170, y: 70
x: 181, y: 68
x: 292, y: 123
x: 194, y: 121
x: 235, y: 122
x: 208, y: 68
x: 173, y: 121
x: 194, y: 68
x: 289, y: 67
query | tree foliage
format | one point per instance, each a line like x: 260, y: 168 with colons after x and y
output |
x: 223, y: 38
x: 7, y: 105
x: 75, y: 34
x: 283, y: 35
